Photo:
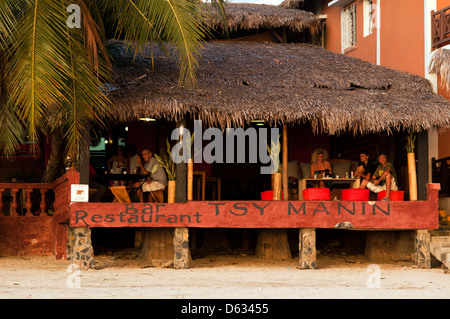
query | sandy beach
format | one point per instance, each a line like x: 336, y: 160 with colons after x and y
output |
x: 220, y: 277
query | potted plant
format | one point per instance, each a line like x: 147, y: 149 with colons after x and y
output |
x: 410, y: 145
x: 167, y: 163
x: 274, y: 153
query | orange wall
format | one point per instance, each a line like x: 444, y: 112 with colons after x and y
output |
x: 441, y: 4
x: 402, y: 35
x: 444, y: 137
x: 333, y: 28
x: 366, y: 47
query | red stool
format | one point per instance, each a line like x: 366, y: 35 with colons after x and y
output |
x: 395, y: 195
x: 268, y: 195
x: 316, y: 194
x: 355, y: 194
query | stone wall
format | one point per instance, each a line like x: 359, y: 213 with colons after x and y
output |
x: 79, y: 247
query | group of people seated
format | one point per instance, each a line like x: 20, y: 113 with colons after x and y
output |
x: 377, y: 179
x: 154, y: 177
x: 382, y: 178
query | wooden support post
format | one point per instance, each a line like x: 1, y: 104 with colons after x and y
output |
x: 273, y: 244
x: 422, y: 254
x: 307, y: 248
x: 285, y: 163
x: 190, y: 179
x: 157, y: 246
x: 181, y: 248
x: 181, y: 188
x: 277, y: 186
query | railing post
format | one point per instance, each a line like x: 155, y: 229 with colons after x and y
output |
x: 28, y: 204
x: 14, y: 204
x: 43, y: 205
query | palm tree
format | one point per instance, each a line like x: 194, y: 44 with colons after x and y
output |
x: 53, y: 72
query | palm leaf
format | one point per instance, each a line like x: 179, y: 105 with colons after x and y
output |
x: 410, y: 142
x: 12, y: 133
x: 177, y: 22
x: 55, y: 72
x: 274, y: 153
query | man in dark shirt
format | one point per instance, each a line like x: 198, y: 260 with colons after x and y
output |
x: 364, y: 170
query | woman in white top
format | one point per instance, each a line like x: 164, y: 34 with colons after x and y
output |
x: 117, y: 165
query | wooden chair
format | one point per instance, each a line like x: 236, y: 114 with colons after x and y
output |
x: 120, y: 194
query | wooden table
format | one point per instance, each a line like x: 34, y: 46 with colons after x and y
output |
x: 122, y: 177
x: 303, y: 184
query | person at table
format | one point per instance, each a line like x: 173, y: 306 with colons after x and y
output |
x: 320, y: 165
x: 156, y: 175
x: 364, y: 169
x: 117, y: 164
x: 384, y: 178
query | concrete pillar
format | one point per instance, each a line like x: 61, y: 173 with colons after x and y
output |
x: 307, y: 248
x: 181, y: 248
x: 79, y: 247
x: 422, y: 254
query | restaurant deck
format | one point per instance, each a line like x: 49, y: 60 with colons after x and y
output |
x: 48, y: 234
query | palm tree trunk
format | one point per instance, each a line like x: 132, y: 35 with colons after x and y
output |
x: 55, y: 162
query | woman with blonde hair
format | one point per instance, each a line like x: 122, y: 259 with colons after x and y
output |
x: 320, y: 165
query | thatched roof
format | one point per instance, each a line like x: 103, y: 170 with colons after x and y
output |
x: 440, y: 64
x: 291, y: 83
x: 291, y: 4
x: 247, y: 16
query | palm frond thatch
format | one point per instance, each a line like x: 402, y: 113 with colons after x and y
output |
x: 294, y: 4
x: 281, y: 83
x: 256, y: 16
x: 440, y: 64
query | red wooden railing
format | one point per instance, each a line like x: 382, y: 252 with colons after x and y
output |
x: 60, y: 187
x: 27, y: 189
x: 440, y: 27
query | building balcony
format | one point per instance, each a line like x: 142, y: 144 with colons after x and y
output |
x: 440, y: 28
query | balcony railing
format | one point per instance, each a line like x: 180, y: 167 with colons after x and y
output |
x: 440, y: 27
x: 55, y: 195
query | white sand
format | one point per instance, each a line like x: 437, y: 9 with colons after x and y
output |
x: 225, y: 277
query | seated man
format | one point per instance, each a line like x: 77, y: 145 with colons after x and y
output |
x: 384, y: 178
x: 157, y: 179
x: 364, y: 169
